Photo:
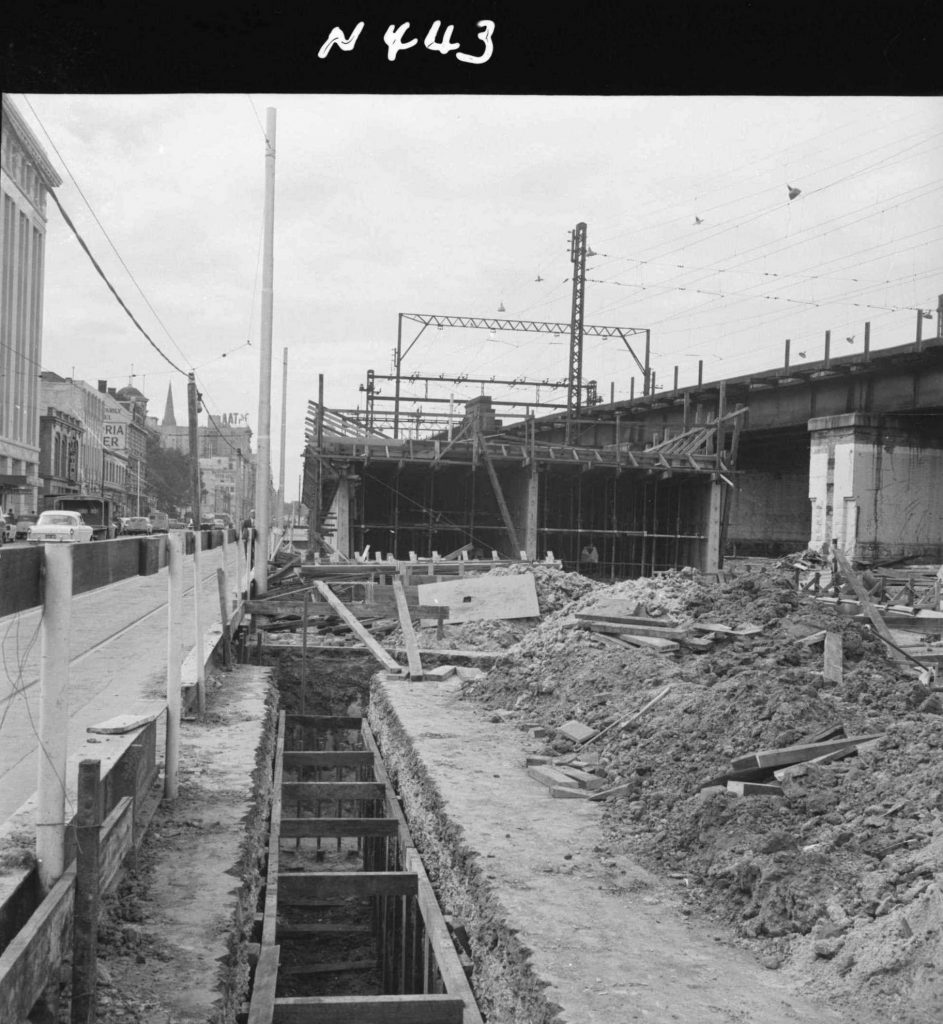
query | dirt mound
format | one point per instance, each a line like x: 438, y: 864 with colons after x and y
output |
x: 817, y: 877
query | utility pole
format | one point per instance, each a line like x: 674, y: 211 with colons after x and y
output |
x: 193, y: 400
x: 575, y: 378
x: 281, y: 455
x: 263, y: 467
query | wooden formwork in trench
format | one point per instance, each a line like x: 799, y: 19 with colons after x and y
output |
x: 419, y: 975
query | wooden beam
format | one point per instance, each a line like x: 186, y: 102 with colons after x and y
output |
x: 262, y: 1006
x: 782, y: 756
x: 327, y: 758
x: 324, y: 884
x: 832, y: 669
x: 409, y: 634
x: 270, y: 907
x: 311, y: 827
x: 499, y: 495
x: 880, y: 626
x: 308, y: 791
x: 423, y: 1009
x: 376, y: 650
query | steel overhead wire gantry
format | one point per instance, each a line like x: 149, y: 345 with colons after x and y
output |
x: 502, y: 324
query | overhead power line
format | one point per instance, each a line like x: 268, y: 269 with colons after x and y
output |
x: 111, y: 287
x: 114, y: 248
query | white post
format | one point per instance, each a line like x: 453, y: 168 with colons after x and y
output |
x: 53, y: 713
x: 198, y: 622
x: 264, y: 438
x: 174, y: 630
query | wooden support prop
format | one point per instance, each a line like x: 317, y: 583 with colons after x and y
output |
x: 386, y: 660
x: 438, y: 612
x: 224, y: 616
x: 420, y: 1009
x: 325, y: 884
x: 85, y: 918
x: 832, y: 668
x: 304, y: 654
x: 409, y: 634
x: 499, y: 496
x: 275, y: 827
x: 880, y: 626
x: 331, y: 827
x: 458, y: 552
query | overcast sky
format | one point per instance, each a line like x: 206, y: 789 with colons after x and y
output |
x: 455, y: 205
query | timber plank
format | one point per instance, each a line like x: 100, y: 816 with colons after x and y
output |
x: 327, y: 758
x: 307, y: 791
x: 833, y: 666
x: 450, y: 969
x: 548, y: 776
x: 627, y: 629
x: 307, y: 827
x: 409, y: 634
x: 324, y: 884
x: 653, y: 643
x: 385, y: 659
x: 484, y: 598
x: 782, y: 756
x: 324, y: 722
x: 275, y: 826
x: 880, y: 627
x: 426, y: 1009
x: 262, y: 1005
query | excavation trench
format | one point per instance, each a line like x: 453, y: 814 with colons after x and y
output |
x: 345, y: 924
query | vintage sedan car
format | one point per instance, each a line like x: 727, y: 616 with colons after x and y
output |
x: 59, y: 526
x: 22, y: 527
x: 136, y: 524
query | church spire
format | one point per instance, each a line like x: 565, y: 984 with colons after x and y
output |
x: 169, y: 418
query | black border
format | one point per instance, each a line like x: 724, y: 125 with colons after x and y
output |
x: 672, y: 47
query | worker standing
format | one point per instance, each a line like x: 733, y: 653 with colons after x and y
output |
x: 589, y: 560
x: 248, y: 537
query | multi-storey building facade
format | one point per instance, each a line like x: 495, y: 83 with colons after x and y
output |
x: 103, y: 464
x: 25, y: 176
x: 60, y: 441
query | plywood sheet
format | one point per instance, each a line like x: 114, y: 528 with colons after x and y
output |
x: 477, y: 600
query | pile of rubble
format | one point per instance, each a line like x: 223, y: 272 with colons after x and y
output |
x: 835, y: 868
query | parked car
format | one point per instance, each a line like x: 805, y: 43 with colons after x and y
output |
x: 136, y: 524
x: 22, y: 527
x: 59, y: 526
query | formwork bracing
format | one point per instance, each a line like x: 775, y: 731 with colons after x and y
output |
x: 645, y: 508
x: 349, y: 928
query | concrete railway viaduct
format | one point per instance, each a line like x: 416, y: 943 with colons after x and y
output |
x: 847, y: 448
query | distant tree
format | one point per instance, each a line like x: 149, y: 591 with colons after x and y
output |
x: 168, y: 476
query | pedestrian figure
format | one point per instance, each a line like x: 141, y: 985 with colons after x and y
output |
x: 589, y: 560
x: 248, y: 537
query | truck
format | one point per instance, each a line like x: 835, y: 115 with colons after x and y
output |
x: 97, y: 512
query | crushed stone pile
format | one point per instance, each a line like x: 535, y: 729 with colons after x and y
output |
x: 841, y: 877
